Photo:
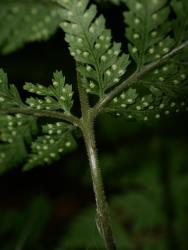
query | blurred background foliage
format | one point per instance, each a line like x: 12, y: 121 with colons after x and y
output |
x: 145, y: 169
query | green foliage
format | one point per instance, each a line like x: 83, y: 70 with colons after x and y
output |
x: 100, y: 62
x: 19, y: 26
x: 26, y: 21
x: 147, y: 107
x: 22, y: 229
x: 181, y: 23
x: 16, y: 130
x: 15, y: 133
x: 148, y: 30
x: 49, y: 147
x: 9, y: 96
x: 128, y: 209
x: 83, y: 233
x: 101, y: 65
x: 139, y: 209
x: 164, y: 90
x: 58, y: 96
x: 108, y: 1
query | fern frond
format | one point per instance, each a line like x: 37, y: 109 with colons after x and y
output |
x: 26, y: 21
x: 101, y: 63
x: 170, y: 80
x: 158, y: 94
x: 57, y: 140
x: 57, y: 96
x: 180, y: 8
x: 145, y: 108
x: 15, y: 132
x: 9, y: 95
x: 148, y: 30
x: 12, y: 154
x: 13, y: 126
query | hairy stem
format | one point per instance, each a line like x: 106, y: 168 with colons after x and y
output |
x: 134, y: 77
x: 103, y: 216
x: 41, y: 113
x: 87, y: 127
